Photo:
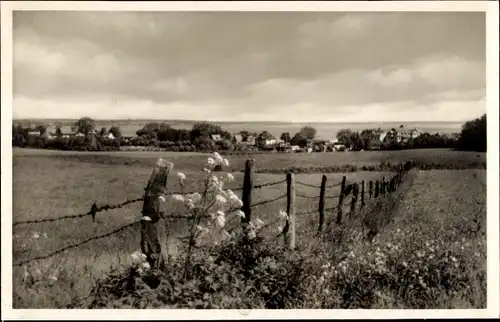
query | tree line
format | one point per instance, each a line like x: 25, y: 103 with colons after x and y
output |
x: 199, y: 138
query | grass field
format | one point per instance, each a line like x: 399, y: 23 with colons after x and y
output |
x: 46, y: 184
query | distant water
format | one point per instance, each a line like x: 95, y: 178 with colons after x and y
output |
x: 325, y: 131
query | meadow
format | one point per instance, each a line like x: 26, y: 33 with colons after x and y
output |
x: 440, y: 218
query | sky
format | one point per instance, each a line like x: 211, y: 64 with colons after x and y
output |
x: 250, y: 66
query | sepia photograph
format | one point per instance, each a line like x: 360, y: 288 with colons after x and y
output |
x: 250, y: 159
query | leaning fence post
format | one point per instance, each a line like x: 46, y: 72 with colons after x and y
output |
x: 321, y: 207
x: 341, y: 200
x: 150, y: 243
x: 289, y: 231
x: 246, y: 196
x: 355, y: 191
x: 362, y: 193
x: 370, y: 191
x: 377, y: 189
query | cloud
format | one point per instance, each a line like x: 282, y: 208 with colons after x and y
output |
x: 259, y: 66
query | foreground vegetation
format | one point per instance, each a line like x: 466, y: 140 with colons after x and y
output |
x: 418, y: 260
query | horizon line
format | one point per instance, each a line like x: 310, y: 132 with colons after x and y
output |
x: 233, y: 121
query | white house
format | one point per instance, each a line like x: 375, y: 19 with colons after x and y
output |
x: 110, y: 136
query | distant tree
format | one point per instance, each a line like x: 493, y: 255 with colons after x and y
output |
x: 85, y: 125
x: 286, y: 137
x: 205, y: 129
x: 42, y: 128
x: 115, y: 130
x: 344, y: 136
x: 103, y: 131
x: 308, y: 132
x: 299, y: 140
x: 58, y: 131
x: 473, y: 135
x: 263, y: 136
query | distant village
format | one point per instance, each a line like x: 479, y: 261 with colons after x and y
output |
x: 182, y: 140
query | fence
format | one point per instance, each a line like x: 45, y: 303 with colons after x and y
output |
x: 359, y: 192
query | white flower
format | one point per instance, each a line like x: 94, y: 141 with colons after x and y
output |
x: 230, y: 177
x: 136, y: 257
x: 195, y: 197
x: 252, y: 234
x: 53, y: 279
x: 236, y: 201
x: 178, y: 198
x: 221, y: 221
x: 146, y: 218
x: 260, y: 223
x: 199, y: 227
x: 36, y: 235
x: 181, y: 176
x: 210, y: 162
x: 283, y: 214
x: 220, y: 199
x: 226, y: 162
x: 161, y: 198
x: 279, y: 229
x: 146, y: 265
x: 218, y: 158
x: 214, y: 179
x: 239, y: 213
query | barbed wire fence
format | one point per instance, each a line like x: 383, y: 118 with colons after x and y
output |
x: 355, y: 191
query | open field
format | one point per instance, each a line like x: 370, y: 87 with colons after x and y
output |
x: 53, y: 183
x: 271, y: 162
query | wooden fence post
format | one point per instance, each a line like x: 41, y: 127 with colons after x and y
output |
x: 383, y: 186
x: 150, y: 243
x: 321, y: 208
x: 362, y: 193
x: 246, y: 196
x: 289, y: 231
x: 377, y: 189
x: 93, y: 211
x: 341, y: 200
x: 370, y: 191
x: 355, y: 191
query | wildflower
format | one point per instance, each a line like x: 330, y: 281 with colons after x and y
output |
x: 146, y: 265
x: 239, y: 213
x: 279, y: 229
x: 146, y: 218
x: 210, y: 162
x: 181, y: 176
x: 220, y: 199
x: 326, y: 291
x: 221, y: 220
x: 36, y: 235
x: 230, y: 177
x: 199, y: 227
x: 405, y: 264
x: 178, y: 198
x: 236, y: 201
x: 252, y: 234
x: 283, y: 214
x: 431, y: 256
x: 453, y: 259
x: 138, y: 257
x: 260, y: 223
x: 218, y: 157
x: 190, y: 204
x: 226, y: 162
x: 195, y: 197
x: 53, y: 279
x: 161, y: 198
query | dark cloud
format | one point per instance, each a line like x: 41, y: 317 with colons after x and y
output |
x: 247, y: 62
